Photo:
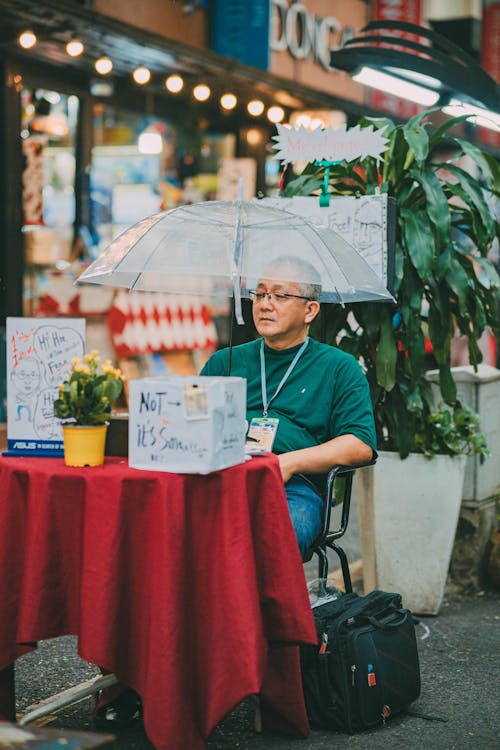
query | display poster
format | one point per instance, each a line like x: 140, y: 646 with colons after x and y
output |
x: 362, y: 222
x: 231, y: 172
x: 39, y: 353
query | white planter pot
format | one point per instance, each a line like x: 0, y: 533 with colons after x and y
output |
x: 408, y: 513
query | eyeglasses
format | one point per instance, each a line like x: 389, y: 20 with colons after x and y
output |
x: 277, y: 298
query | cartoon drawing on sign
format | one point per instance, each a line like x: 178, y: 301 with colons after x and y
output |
x: 39, y: 355
x: 368, y: 236
x: 25, y: 378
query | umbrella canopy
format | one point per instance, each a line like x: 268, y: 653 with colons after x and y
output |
x: 224, y: 247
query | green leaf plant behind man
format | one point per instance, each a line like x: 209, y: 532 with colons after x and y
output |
x: 446, y: 226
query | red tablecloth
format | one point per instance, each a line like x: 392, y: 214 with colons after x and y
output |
x: 189, y: 588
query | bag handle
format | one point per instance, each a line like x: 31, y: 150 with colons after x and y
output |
x: 385, y: 625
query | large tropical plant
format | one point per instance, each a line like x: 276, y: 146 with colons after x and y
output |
x: 444, y: 281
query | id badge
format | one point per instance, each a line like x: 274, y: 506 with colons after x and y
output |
x: 261, y: 434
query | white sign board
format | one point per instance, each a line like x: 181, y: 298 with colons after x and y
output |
x: 360, y: 221
x: 184, y: 424
x: 39, y: 354
x: 334, y: 145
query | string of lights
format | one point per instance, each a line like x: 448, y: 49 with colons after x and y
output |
x: 174, y: 83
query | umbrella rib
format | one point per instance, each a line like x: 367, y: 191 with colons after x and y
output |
x: 153, y: 251
x: 148, y: 230
x: 339, y: 295
x: 360, y: 257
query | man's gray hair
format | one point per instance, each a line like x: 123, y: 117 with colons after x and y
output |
x: 298, y: 270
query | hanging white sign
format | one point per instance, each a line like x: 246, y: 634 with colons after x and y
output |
x: 342, y: 144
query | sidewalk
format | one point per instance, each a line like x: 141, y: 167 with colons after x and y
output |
x: 460, y: 665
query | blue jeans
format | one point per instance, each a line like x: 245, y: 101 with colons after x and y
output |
x: 305, y: 505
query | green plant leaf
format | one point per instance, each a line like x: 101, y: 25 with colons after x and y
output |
x: 411, y: 292
x: 437, y: 203
x: 419, y: 241
x: 303, y: 185
x: 488, y: 277
x: 443, y: 263
x: 438, y: 135
x: 488, y: 165
x: 447, y: 385
x: 401, y: 423
x: 458, y: 281
x: 377, y: 123
x: 386, y: 354
x: 417, y: 139
x: 470, y: 220
x: 415, y: 347
x: 475, y: 194
x: 440, y: 327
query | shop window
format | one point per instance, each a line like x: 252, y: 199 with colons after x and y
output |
x: 48, y: 133
x: 134, y: 170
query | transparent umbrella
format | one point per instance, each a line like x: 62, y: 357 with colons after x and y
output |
x: 222, y: 248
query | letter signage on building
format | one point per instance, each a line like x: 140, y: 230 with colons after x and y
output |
x: 304, y: 34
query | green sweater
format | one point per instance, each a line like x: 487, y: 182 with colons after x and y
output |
x: 325, y: 396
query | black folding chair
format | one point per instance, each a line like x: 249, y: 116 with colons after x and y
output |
x: 338, y: 492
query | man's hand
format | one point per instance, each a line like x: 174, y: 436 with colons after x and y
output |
x: 286, y: 466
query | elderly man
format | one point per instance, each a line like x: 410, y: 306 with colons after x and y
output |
x: 317, y: 394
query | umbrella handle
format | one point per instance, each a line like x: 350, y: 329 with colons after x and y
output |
x: 238, y: 313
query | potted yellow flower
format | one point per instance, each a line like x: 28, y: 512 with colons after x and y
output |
x: 84, y: 407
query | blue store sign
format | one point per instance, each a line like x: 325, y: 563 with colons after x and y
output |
x: 241, y: 30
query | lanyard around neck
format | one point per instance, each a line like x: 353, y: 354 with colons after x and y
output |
x: 263, y: 382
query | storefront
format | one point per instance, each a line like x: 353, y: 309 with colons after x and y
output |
x: 98, y: 152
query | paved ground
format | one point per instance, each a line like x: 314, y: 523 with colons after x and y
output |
x: 460, y: 666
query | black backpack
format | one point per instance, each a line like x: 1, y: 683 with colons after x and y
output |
x: 365, y: 667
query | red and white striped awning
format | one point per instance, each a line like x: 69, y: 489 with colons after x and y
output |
x: 146, y: 322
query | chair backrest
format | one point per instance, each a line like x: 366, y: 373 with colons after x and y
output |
x: 338, y: 493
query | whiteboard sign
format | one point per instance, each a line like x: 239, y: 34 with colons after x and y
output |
x: 360, y: 221
x: 39, y: 354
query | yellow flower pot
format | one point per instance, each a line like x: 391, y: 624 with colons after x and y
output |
x: 84, y: 446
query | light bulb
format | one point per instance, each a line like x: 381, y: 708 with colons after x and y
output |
x: 103, y: 65
x: 275, y: 114
x: 174, y: 84
x: 201, y: 92
x: 228, y: 101
x: 141, y: 75
x: 254, y: 137
x: 74, y: 48
x: 27, y: 39
x: 303, y: 121
x: 255, y: 107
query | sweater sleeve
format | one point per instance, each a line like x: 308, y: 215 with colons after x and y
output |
x: 352, y: 411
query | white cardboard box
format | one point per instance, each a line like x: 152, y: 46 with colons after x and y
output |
x: 186, y: 424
